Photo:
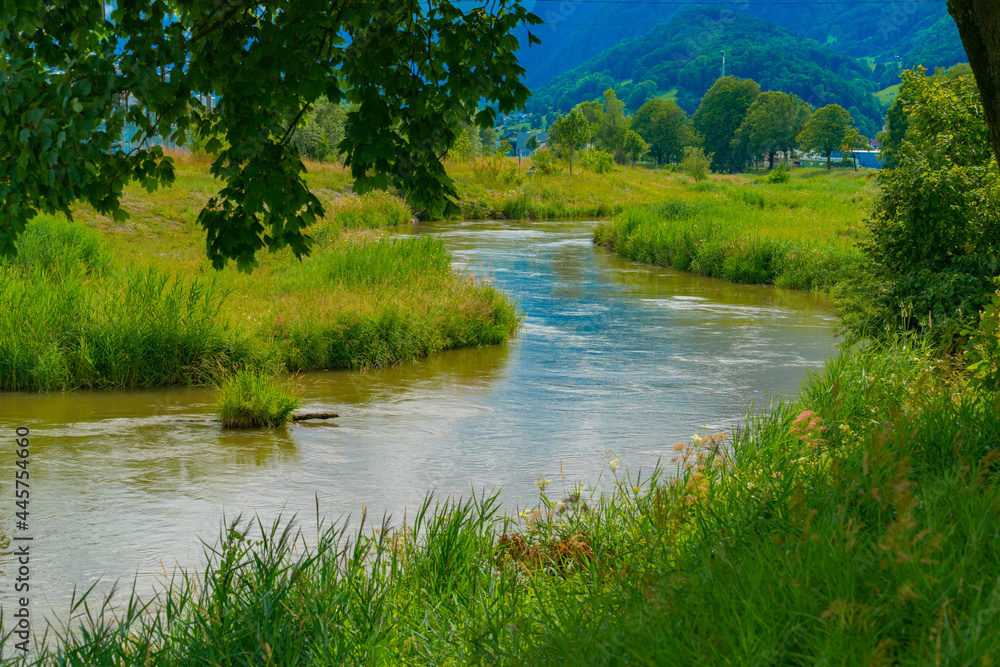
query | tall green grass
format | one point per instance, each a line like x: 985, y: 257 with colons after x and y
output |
x: 253, y: 399
x: 370, y: 211
x: 856, y: 524
x: 72, y: 315
x: 764, y: 234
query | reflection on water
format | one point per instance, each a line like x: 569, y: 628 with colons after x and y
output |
x: 612, y: 356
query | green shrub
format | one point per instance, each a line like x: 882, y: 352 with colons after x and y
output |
x: 318, y: 138
x: 983, y: 349
x: 544, y: 162
x: 695, y: 162
x: 933, y: 239
x: 597, y: 161
x: 253, y: 399
x: 779, y: 174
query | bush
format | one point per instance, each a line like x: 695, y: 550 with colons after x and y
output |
x: 932, y: 242
x: 983, y: 350
x: 253, y: 399
x: 544, y: 162
x: 597, y: 161
x: 695, y: 162
x: 779, y: 174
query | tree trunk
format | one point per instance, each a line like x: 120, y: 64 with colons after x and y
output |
x: 979, y: 27
x: 770, y: 161
x: 828, y: 154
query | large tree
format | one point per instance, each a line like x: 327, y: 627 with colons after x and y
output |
x: 826, y: 130
x: 665, y: 127
x: 614, y: 126
x: 720, y: 114
x: 773, y: 123
x: 570, y: 134
x: 979, y: 27
x: 74, y: 74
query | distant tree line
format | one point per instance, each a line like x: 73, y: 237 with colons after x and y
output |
x: 735, y: 124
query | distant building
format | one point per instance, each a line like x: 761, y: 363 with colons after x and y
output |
x: 867, y: 159
x: 522, y: 141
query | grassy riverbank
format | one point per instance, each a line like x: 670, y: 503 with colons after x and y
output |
x: 109, y: 305
x: 798, y: 234
x: 854, y: 525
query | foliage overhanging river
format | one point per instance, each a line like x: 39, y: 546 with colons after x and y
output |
x: 613, y: 356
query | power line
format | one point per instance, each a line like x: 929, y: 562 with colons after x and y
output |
x: 701, y: 25
x: 746, y: 3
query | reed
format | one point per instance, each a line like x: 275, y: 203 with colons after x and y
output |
x: 73, y: 317
x: 252, y: 398
x: 797, y: 235
x: 106, y: 305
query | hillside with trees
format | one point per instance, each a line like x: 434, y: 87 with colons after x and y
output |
x: 914, y: 33
x: 664, y: 60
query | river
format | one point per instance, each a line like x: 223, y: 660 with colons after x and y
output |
x: 613, y: 357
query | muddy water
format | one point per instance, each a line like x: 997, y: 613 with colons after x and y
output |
x: 613, y: 356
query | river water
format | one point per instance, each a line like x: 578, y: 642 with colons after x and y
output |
x: 613, y: 356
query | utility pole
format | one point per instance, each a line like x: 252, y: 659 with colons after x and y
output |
x: 723, y: 64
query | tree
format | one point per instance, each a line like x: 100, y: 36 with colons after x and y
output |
x: 614, y: 126
x: 892, y: 136
x: 772, y: 124
x: 593, y: 111
x: 665, y: 127
x: 635, y: 146
x: 532, y: 143
x: 468, y: 144
x: 72, y: 77
x: 570, y: 134
x: 322, y: 133
x: 696, y: 162
x: 826, y: 130
x: 979, y: 27
x: 853, y: 142
x: 932, y: 244
x: 720, y: 115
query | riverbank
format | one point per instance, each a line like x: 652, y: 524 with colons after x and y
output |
x: 857, y: 521
x: 799, y: 234
x: 102, y: 304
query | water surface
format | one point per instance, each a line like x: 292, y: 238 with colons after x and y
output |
x: 613, y: 356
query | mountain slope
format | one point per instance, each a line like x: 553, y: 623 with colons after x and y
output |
x: 670, y: 57
x: 574, y: 31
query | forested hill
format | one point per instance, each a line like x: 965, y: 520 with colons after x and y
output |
x: 918, y: 32
x: 672, y: 57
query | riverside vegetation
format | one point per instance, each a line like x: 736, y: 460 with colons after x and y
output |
x: 110, y: 305
x: 799, y: 234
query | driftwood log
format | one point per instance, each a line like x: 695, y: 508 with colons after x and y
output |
x: 295, y: 418
x: 314, y: 415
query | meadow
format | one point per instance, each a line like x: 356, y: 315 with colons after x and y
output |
x: 797, y: 234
